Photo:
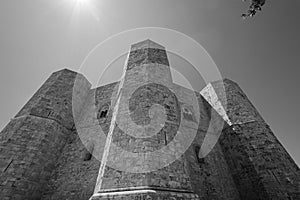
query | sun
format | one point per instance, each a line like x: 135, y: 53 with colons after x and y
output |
x: 84, y: 6
x: 81, y: 2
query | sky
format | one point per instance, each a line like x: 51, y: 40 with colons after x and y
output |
x: 261, y: 54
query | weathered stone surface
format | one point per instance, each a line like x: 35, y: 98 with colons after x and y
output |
x: 54, y: 99
x: 146, y: 193
x: 43, y: 155
x: 32, y: 142
x: 210, y: 175
x: 73, y: 177
x: 260, y: 166
x: 145, y: 93
x: 29, y: 146
x: 146, y: 52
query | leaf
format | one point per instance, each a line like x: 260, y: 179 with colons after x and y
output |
x: 255, y: 5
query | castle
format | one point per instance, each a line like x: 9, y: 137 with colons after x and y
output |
x: 48, y: 153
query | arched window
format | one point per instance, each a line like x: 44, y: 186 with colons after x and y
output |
x: 103, y: 112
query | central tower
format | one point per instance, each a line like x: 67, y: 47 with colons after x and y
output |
x: 146, y: 118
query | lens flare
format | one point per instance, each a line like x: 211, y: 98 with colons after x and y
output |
x: 81, y: 2
x: 84, y: 6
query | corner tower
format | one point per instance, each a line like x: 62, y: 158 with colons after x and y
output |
x: 130, y: 168
x: 32, y: 142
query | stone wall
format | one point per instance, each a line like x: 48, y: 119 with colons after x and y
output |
x: 29, y: 149
x: 32, y: 142
x: 148, y: 116
x: 259, y: 165
x: 45, y: 155
x: 75, y: 173
x: 77, y: 169
x: 210, y: 175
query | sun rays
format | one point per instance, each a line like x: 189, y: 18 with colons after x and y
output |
x: 84, y: 7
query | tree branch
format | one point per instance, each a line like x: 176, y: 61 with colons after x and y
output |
x: 255, y: 6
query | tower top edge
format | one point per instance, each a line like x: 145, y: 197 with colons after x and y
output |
x: 146, y: 44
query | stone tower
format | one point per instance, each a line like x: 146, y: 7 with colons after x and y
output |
x: 147, y: 83
x: 45, y: 155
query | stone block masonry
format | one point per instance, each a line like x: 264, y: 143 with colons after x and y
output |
x: 44, y: 156
x: 259, y: 165
x: 32, y: 142
x: 29, y: 148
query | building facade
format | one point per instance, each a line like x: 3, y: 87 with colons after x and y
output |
x: 47, y: 151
